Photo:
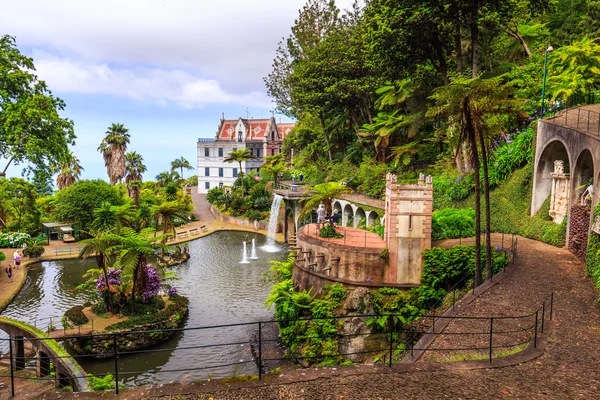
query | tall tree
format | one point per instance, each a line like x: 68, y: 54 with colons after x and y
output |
x: 181, y: 163
x: 323, y: 192
x: 31, y: 128
x: 69, y: 172
x: 113, y: 148
x: 134, y: 165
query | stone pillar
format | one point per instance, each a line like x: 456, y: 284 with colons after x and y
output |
x: 42, y: 365
x: 408, y: 210
x: 559, y: 198
x: 19, y: 352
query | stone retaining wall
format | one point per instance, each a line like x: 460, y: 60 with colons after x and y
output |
x: 579, y: 227
x: 241, y: 221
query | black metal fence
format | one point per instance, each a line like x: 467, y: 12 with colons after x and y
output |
x: 388, y: 344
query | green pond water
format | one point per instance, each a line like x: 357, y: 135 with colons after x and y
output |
x: 221, y: 291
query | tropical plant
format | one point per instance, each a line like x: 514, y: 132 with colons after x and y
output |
x: 100, y: 246
x: 323, y: 192
x: 167, y: 177
x: 69, y: 172
x: 134, y: 251
x: 113, y: 148
x: 239, y: 156
x: 134, y: 165
x: 274, y: 166
x: 168, y: 211
x: 109, y: 218
x: 180, y: 163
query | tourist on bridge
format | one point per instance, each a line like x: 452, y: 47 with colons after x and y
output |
x: 321, y: 215
x: 335, y: 217
x: 17, y: 259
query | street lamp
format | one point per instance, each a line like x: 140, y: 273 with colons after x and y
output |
x: 549, y: 49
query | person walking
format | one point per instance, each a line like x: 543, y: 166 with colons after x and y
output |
x: 301, y: 177
x: 255, y: 224
x: 9, y: 273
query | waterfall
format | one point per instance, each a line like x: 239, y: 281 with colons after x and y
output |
x: 245, y: 255
x: 253, y: 252
x: 271, y: 246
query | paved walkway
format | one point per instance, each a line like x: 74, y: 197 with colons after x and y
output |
x: 352, y: 237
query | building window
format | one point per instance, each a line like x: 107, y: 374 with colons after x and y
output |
x: 206, y: 171
x: 272, y: 152
x: 273, y: 135
x: 206, y: 185
x: 220, y: 152
x: 235, y: 172
x: 258, y: 153
x: 221, y: 172
x: 206, y: 152
x: 220, y: 185
x: 234, y: 149
x: 239, y: 136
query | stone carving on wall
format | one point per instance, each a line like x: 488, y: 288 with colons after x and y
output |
x: 596, y: 224
x: 559, y: 198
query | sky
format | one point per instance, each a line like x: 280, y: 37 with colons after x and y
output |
x: 167, y: 70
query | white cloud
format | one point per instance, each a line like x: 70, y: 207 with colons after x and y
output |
x: 162, y: 86
x: 231, y: 41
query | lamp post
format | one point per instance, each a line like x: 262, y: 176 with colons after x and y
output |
x: 549, y: 49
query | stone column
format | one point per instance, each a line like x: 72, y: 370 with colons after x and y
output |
x: 559, y: 198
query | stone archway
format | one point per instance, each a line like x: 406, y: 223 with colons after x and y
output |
x: 554, y: 151
x: 580, y: 211
x: 372, y: 219
x: 336, y: 206
x: 359, y: 215
x: 347, y: 215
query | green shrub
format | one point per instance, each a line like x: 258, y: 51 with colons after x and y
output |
x: 105, y: 383
x: 328, y: 231
x: 152, y: 317
x: 76, y: 316
x: 453, y: 223
x: 154, y: 305
x: 34, y: 249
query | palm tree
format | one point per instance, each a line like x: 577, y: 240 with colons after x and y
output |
x: 134, y: 165
x: 181, y: 163
x: 69, y: 172
x: 109, y: 218
x: 167, y: 212
x: 113, y: 148
x: 167, y: 177
x: 240, y: 156
x: 323, y: 192
x: 99, y: 246
x: 473, y: 103
x: 134, y: 251
x: 274, y: 165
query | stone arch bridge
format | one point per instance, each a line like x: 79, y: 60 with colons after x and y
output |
x: 567, y: 162
x: 68, y: 371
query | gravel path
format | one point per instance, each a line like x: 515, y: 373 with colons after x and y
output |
x: 569, y: 369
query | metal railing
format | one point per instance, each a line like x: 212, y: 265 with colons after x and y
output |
x: 579, y: 118
x: 354, y: 237
x: 393, y: 342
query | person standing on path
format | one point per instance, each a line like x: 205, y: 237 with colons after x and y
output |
x: 255, y: 224
x: 17, y: 259
x: 321, y: 215
x: 9, y: 273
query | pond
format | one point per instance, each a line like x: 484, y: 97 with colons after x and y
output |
x: 221, y: 291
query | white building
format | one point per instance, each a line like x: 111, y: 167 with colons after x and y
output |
x: 262, y: 136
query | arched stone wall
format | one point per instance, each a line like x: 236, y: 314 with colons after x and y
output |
x: 583, y: 171
x: 553, y: 151
x: 372, y: 217
x: 347, y: 213
x: 358, y: 215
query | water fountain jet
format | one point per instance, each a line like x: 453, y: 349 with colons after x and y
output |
x: 271, y: 246
x: 245, y: 255
x: 253, y: 255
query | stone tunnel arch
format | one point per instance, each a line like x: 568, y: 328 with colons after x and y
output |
x: 555, y: 150
x: 359, y: 214
x: 336, y: 206
x: 582, y: 173
x: 372, y: 218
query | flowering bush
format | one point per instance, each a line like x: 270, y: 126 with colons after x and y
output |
x: 13, y: 240
x: 114, y: 278
x: 152, y: 282
x: 172, y: 293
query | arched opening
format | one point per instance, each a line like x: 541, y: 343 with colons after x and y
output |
x: 360, y: 218
x: 43, y: 364
x: 336, y: 206
x: 583, y: 175
x: 554, y: 151
x: 372, y: 219
x: 348, y: 216
x: 19, y: 352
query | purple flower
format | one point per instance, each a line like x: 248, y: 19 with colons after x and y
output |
x: 497, y: 248
x: 172, y: 292
x: 114, y: 278
x: 152, y: 282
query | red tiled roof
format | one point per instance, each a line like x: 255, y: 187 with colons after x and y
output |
x: 256, y: 129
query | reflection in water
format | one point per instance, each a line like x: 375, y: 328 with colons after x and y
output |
x: 220, y: 289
